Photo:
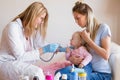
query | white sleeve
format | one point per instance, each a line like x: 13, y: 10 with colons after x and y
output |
x: 16, y: 44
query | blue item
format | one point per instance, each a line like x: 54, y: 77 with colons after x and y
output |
x: 63, y: 49
x: 67, y: 70
x: 50, y: 48
x: 73, y: 76
x: 78, y: 70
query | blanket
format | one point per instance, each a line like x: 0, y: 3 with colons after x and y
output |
x: 54, y: 66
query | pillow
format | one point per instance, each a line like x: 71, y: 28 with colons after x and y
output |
x: 114, y: 60
x: 115, y: 48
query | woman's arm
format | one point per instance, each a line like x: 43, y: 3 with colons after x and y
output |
x: 104, y: 50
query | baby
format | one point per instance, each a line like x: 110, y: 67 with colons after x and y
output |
x: 79, y: 50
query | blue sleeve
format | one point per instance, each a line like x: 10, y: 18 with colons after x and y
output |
x: 105, y: 30
x: 63, y: 49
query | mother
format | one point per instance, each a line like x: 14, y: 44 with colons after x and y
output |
x: 97, y: 37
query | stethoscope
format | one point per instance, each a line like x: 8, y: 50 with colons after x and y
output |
x: 49, y: 58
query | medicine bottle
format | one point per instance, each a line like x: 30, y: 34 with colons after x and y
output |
x: 48, y: 76
x: 82, y: 76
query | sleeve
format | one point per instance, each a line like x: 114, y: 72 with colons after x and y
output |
x: 67, y: 55
x: 87, y: 56
x: 16, y: 44
x: 105, y: 30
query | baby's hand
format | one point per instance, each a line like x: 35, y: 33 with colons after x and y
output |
x: 68, y: 50
x: 81, y: 65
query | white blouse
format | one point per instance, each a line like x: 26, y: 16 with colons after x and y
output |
x: 13, y: 43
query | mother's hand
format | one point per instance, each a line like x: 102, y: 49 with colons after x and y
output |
x: 75, y: 60
x: 85, y: 35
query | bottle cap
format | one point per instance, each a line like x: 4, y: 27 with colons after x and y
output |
x: 49, y: 77
x: 36, y: 78
x: 82, y: 74
x: 64, y: 76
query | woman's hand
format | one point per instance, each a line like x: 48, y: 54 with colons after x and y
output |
x: 75, y: 60
x: 41, y: 51
x: 85, y: 35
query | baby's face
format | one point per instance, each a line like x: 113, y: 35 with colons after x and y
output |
x: 75, y: 41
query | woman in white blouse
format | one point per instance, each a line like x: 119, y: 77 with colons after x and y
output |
x: 22, y: 43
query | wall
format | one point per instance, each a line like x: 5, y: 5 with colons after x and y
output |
x: 61, y: 23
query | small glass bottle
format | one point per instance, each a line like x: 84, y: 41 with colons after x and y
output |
x: 82, y: 76
x: 64, y: 76
x: 48, y: 76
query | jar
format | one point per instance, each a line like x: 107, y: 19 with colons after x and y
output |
x: 82, y: 76
x: 64, y: 76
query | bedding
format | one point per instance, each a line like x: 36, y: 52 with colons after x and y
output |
x: 57, y: 62
x: 114, y: 60
x: 54, y: 66
x: 59, y: 59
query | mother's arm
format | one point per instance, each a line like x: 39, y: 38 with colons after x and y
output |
x: 104, y: 50
x: 75, y: 60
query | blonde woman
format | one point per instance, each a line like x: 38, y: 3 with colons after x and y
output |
x: 22, y: 43
x: 98, y: 38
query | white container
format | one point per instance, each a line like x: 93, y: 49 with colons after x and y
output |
x: 64, y: 76
x: 57, y: 76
